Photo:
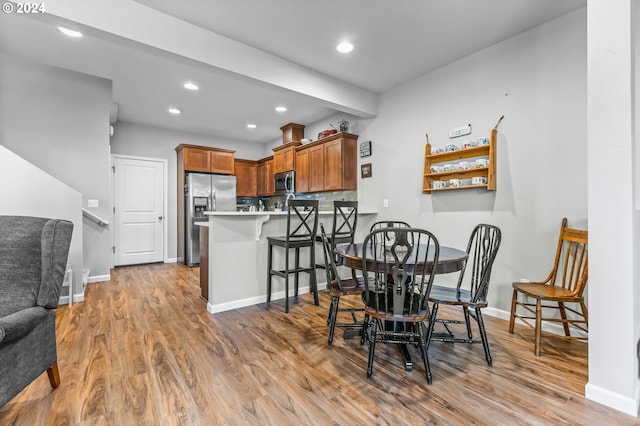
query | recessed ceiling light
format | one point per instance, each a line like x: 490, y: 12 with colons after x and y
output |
x: 251, y: 126
x: 175, y: 111
x: 191, y: 86
x: 70, y: 33
x: 281, y: 109
x: 344, y: 47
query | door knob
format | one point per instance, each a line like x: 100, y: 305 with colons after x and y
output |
x: 159, y: 217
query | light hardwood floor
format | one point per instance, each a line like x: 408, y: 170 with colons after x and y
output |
x: 142, y: 350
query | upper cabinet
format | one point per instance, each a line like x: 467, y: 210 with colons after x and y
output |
x: 265, y: 173
x: 327, y: 164
x: 246, y: 178
x: 284, y: 157
x: 206, y: 159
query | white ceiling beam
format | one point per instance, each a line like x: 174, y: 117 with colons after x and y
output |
x: 141, y: 24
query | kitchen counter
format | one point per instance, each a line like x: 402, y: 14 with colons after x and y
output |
x: 237, y: 243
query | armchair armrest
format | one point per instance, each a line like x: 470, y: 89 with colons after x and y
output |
x: 20, y: 323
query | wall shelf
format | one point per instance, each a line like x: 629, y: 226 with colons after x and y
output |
x: 487, y: 151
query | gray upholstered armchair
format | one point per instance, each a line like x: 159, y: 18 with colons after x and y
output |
x: 33, y: 259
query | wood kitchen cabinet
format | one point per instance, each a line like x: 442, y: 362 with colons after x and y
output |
x: 246, y: 177
x: 316, y: 168
x: 327, y: 164
x: 302, y: 171
x: 265, y: 177
x: 206, y: 159
x: 284, y: 157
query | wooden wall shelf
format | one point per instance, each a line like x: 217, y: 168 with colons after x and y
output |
x: 483, y: 151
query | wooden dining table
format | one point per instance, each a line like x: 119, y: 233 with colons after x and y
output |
x: 450, y: 260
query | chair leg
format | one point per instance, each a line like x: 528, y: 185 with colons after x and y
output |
x: 563, y: 315
x: 333, y: 316
x: 54, y: 375
x: 432, y: 323
x: 465, y: 311
x: 313, y: 281
x: 538, y: 326
x: 423, y: 349
x: 365, y: 327
x: 512, y: 317
x: 297, y: 258
x: 483, y: 335
x: 269, y: 268
x: 372, y: 349
x: 286, y: 280
x: 585, y: 312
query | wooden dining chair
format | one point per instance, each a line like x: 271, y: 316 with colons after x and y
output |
x: 565, y: 284
x: 399, y: 275
x: 471, y: 291
x: 337, y: 288
x: 302, y: 226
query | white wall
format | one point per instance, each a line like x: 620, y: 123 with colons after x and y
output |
x: 49, y: 198
x: 59, y: 121
x: 153, y: 142
x: 537, y: 80
x: 613, y: 216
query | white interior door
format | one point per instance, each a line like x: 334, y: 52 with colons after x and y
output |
x: 139, y: 206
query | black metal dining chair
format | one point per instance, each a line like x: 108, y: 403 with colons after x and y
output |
x: 343, y: 230
x: 388, y: 224
x: 337, y: 288
x: 471, y: 290
x: 399, y: 274
x: 302, y: 226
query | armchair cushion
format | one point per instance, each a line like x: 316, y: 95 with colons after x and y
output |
x: 20, y: 323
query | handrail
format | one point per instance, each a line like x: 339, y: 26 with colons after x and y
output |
x: 94, y: 217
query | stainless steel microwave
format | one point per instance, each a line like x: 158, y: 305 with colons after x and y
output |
x: 285, y: 182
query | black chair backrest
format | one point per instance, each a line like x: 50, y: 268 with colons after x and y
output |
x: 329, y: 262
x: 345, y: 220
x: 399, y: 270
x: 389, y: 224
x: 302, y: 219
x: 482, y: 248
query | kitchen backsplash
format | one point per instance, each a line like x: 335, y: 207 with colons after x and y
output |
x: 325, y: 199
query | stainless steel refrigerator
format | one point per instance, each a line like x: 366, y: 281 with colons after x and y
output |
x: 204, y: 192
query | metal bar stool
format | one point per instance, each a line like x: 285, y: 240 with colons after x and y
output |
x: 302, y: 226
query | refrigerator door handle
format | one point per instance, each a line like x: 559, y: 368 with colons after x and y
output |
x: 213, y: 200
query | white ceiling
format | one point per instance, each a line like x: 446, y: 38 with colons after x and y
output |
x: 285, y: 56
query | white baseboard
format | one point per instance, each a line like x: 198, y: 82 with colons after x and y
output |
x: 99, y: 278
x: 221, y: 307
x: 614, y: 400
x: 555, y: 328
x: 64, y: 300
x: 171, y: 260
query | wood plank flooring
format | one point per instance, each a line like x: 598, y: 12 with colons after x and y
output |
x: 142, y: 350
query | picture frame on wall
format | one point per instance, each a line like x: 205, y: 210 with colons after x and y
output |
x: 365, y: 170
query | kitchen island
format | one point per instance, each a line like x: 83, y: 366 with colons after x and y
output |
x: 237, y: 261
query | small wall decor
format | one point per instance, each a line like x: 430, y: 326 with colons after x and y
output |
x: 365, y: 149
x: 365, y: 170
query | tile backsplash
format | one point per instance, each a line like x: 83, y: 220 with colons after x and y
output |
x: 325, y: 199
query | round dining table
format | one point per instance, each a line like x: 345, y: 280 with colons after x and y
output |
x: 449, y: 260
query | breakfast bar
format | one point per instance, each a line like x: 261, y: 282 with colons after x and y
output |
x: 237, y: 263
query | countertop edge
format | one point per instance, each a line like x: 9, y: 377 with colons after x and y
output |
x: 273, y: 213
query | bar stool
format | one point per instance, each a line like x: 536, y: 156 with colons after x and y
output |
x: 345, y: 220
x: 302, y: 226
